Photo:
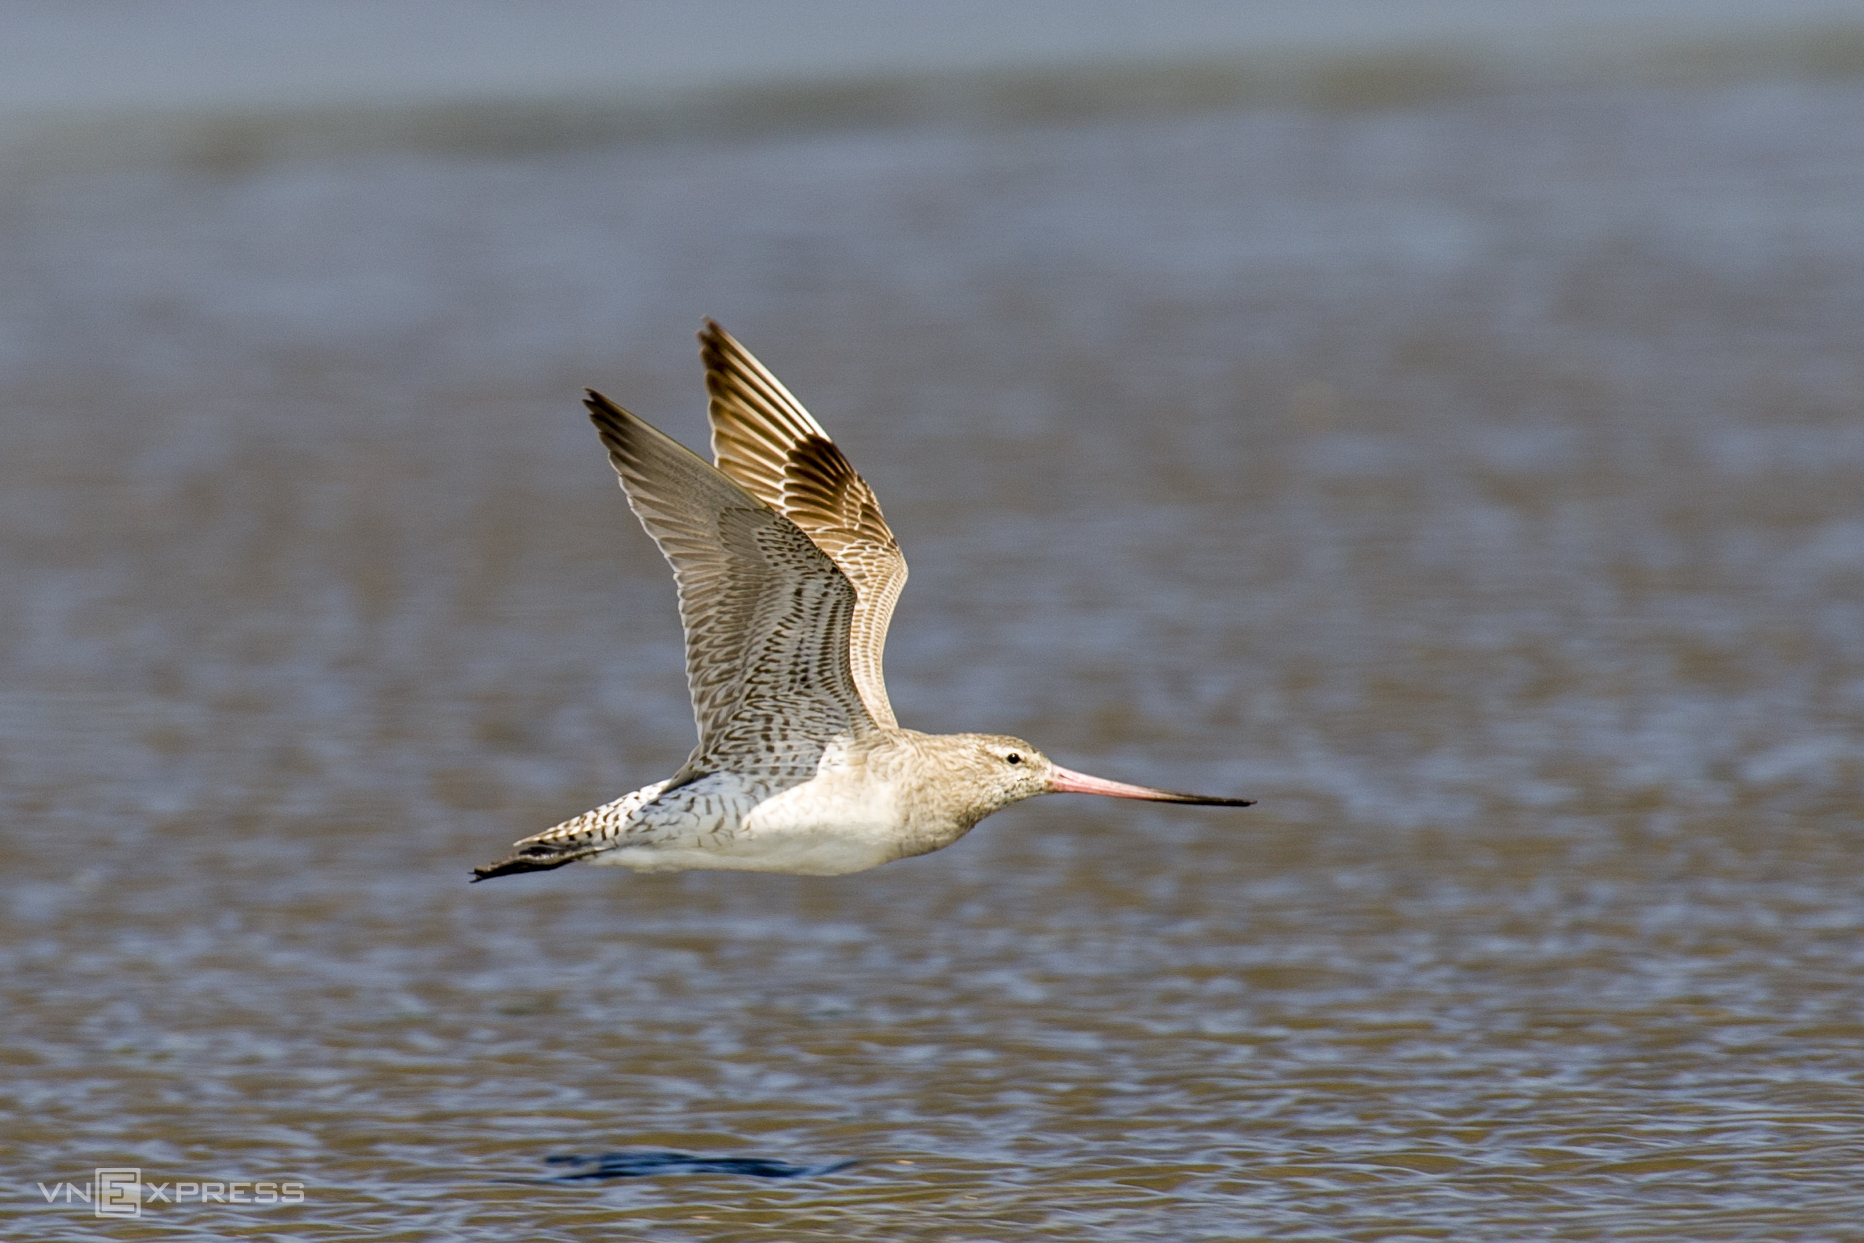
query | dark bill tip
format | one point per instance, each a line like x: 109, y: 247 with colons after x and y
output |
x: 1067, y: 781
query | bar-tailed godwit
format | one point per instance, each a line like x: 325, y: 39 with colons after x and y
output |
x: 787, y: 578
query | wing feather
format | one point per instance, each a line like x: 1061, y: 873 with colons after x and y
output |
x: 765, y: 440
x: 766, y: 612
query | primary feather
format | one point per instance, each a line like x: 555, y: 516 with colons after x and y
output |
x: 764, y: 439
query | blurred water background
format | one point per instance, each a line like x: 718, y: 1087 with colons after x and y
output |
x: 1442, y: 422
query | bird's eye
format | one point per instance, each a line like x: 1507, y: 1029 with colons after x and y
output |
x: 1013, y: 758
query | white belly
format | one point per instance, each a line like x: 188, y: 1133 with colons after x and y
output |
x: 828, y: 826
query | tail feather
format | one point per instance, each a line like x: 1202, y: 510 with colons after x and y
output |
x: 588, y: 834
x: 535, y: 857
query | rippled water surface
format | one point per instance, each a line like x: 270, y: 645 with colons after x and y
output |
x: 1480, y: 485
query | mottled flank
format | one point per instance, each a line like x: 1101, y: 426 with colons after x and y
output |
x: 787, y: 578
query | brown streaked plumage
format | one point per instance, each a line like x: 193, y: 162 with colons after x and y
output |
x: 787, y: 576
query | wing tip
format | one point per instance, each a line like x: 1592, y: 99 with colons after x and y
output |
x: 610, y: 419
x: 714, y: 341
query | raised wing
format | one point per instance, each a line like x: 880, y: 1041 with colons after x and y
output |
x: 764, y: 439
x: 766, y: 612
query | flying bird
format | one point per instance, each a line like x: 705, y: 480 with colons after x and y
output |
x: 787, y: 577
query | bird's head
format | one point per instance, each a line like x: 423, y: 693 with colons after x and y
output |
x: 995, y: 770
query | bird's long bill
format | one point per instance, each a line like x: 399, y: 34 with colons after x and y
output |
x: 1067, y: 781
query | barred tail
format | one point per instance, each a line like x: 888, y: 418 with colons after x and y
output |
x: 588, y: 834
